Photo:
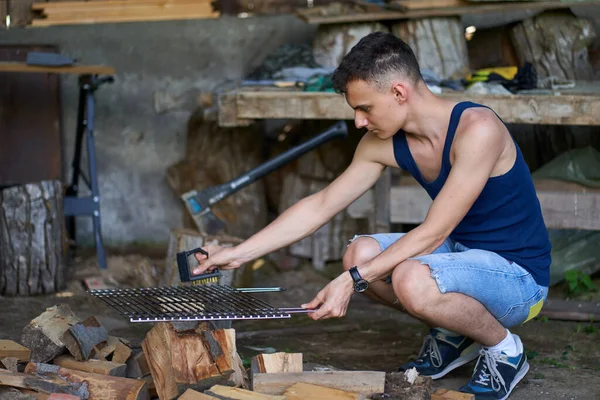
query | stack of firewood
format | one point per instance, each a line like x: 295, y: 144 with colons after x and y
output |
x: 90, y: 12
x: 63, y: 357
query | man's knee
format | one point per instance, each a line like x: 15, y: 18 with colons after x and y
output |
x: 412, y: 283
x: 360, y: 251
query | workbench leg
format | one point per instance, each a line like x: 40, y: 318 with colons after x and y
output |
x: 379, y: 220
x: 90, y: 205
x: 91, y: 148
x: 73, y: 189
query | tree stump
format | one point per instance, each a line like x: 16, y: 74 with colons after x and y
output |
x: 216, y: 155
x: 334, y: 41
x: 556, y: 44
x: 31, y: 239
x: 438, y: 43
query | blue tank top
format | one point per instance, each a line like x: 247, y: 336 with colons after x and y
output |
x: 506, y: 218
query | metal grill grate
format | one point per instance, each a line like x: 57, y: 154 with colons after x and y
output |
x: 189, y: 303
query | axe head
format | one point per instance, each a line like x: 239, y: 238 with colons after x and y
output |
x: 199, y: 208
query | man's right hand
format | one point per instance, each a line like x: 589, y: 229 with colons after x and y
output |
x: 222, y: 257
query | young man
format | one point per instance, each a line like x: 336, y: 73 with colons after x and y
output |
x: 477, y: 265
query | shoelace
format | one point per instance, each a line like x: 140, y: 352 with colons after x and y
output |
x: 489, y: 362
x: 431, y: 347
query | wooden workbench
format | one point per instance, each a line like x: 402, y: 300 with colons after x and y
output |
x: 75, y: 69
x: 577, y: 106
x: 565, y: 205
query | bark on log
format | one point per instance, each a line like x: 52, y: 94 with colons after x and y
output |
x: 438, y: 43
x: 42, y: 335
x: 556, y: 44
x: 216, y: 155
x: 31, y: 233
x: 92, y: 386
x: 333, y: 42
x: 198, y: 360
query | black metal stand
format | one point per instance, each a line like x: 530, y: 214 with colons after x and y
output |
x: 90, y: 205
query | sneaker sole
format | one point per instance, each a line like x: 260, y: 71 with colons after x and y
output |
x: 520, y: 375
x: 459, y: 362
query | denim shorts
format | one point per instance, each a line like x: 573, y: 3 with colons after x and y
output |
x: 505, y: 288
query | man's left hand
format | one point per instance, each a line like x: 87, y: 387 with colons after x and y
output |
x: 332, y: 301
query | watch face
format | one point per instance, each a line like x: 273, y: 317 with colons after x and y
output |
x: 361, y: 286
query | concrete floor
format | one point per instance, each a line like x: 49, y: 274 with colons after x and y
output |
x: 564, y: 356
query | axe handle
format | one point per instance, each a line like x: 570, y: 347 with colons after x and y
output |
x: 338, y: 130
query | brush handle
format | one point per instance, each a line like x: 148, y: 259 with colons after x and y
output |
x: 183, y: 264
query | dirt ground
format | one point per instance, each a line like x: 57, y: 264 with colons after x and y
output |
x: 564, y: 356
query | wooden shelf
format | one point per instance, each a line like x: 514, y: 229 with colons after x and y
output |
x: 319, y: 15
x: 565, y: 205
x: 75, y: 69
x: 578, y: 106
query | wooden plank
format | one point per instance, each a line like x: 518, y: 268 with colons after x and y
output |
x: 445, y: 394
x: 233, y: 393
x: 98, y: 386
x: 572, y: 109
x: 363, y: 382
x: 276, y: 363
x: 128, y: 10
x: 571, y: 310
x: 77, y: 69
x: 157, y: 16
x: 312, y: 16
x: 423, y: 4
x: 191, y: 394
x: 89, y: 5
x: 95, y: 366
x: 9, y: 348
x: 39, y: 384
x: 564, y: 205
x: 306, y: 391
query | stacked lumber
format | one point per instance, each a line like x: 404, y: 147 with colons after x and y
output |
x: 103, y: 11
x: 64, y: 357
x: 62, y: 354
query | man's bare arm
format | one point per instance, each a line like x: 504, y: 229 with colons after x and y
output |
x: 476, y: 152
x: 309, y: 214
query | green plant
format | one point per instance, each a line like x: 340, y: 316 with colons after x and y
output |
x: 578, y: 282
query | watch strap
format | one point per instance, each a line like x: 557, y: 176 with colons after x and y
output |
x: 355, y: 274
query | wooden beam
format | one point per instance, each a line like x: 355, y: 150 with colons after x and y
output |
x: 312, y: 16
x: 8, y: 348
x: 89, y: 5
x: 571, y: 310
x: 306, y: 391
x: 36, y: 383
x: 96, y: 385
x: 425, y: 4
x: 276, y: 362
x: 363, y: 382
x: 233, y: 393
x: 95, y: 366
x: 127, y: 10
x: 565, y: 109
x: 445, y: 394
x: 191, y: 394
x: 76, y: 69
x: 564, y: 205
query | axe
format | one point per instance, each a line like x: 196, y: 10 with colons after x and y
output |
x: 199, y: 203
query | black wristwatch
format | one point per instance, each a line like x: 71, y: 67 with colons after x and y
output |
x: 360, y: 285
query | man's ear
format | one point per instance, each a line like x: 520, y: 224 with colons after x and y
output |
x: 400, y: 92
